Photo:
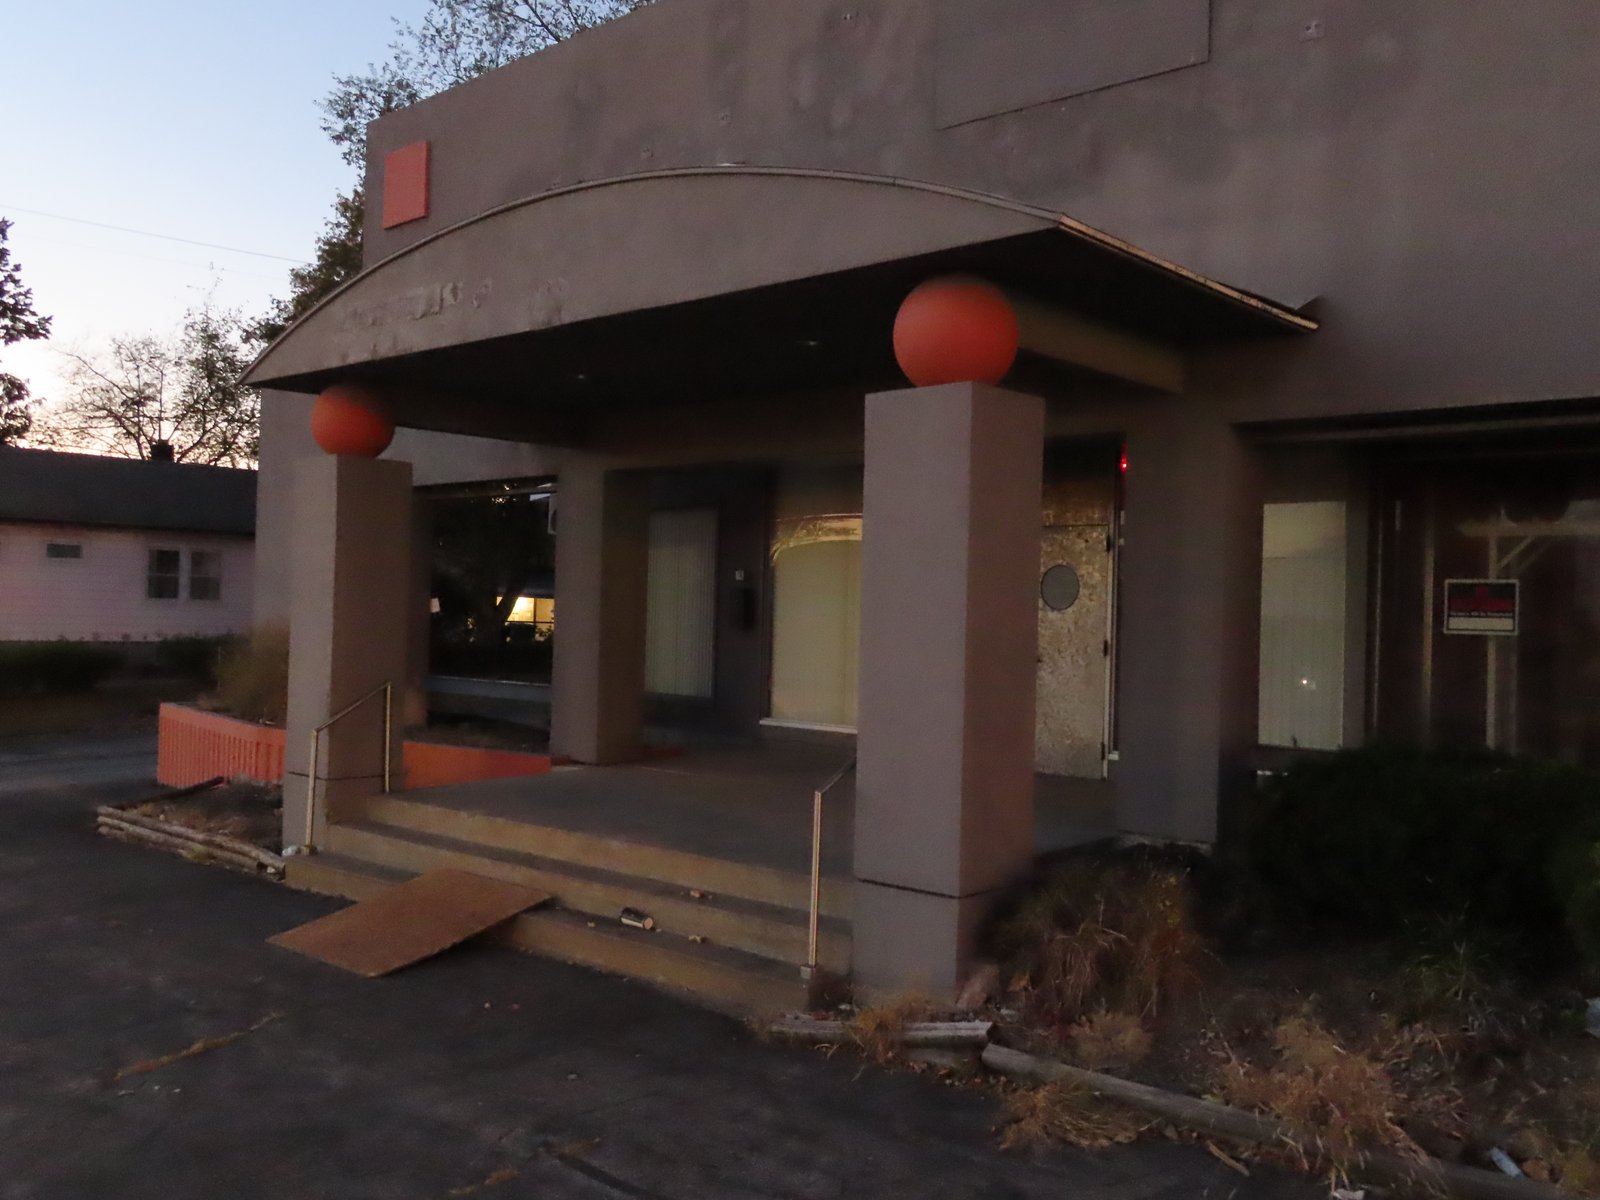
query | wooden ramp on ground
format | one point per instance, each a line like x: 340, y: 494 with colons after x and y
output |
x: 410, y: 922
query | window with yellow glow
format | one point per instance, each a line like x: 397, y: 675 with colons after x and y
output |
x: 538, y: 611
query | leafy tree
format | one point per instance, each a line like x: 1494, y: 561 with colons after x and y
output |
x: 18, y: 323
x: 183, y: 390
x: 455, y: 41
x: 338, y: 259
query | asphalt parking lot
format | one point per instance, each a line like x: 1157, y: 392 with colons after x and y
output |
x: 482, y: 1073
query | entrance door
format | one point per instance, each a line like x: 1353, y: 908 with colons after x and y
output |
x: 681, y: 628
x: 1076, y: 585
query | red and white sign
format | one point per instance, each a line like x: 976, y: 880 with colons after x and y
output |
x: 1486, y: 607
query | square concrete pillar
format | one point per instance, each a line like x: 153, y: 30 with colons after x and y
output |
x: 949, y: 645
x: 352, y: 591
x: 602, y: 562
x: 1189, y: 632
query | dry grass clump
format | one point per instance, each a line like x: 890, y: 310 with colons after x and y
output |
x: 1340, y: 1104
x: 253, y: 676
x: 1069, y: 1113
x: 1115, y: 935
x: 1570, y: 1156
x: 879, y: 1031
x: 1110, y: 1039
x: 1564, y: 1150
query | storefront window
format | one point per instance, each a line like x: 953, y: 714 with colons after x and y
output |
x: 1469, y: 661
x: 1303, y: 573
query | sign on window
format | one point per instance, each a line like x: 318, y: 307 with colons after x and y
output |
x: 1481, y: 606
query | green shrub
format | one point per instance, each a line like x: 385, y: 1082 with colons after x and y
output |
x: 193, y: 657
x: 53, y: 668
x: 1375, y: 839
x: 253, y: 676
x: 1575, y: 875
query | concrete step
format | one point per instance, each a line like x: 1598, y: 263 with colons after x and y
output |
x: 763, y: 929
x: 716, y: 976
x: 682, y: 869
x: 339, y: 875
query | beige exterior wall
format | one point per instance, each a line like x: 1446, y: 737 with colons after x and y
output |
x: 101, y: 596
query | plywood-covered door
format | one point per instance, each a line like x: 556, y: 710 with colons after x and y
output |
x: 1074, y: 650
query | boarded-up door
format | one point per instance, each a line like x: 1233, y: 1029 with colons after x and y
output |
x: 1075, y: 599
x: 681, y: 629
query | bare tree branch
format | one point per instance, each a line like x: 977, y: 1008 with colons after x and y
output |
x: 183, y: 389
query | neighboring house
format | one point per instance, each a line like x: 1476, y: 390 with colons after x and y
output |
x: 1301, y: 446
x: 117, y: 550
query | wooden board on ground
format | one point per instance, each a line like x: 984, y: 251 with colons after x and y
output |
x: 410, y: 922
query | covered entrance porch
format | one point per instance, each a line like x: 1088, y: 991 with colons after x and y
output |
x: 711, y: 846
x: 741, y: 318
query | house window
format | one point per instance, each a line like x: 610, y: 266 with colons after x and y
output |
x: 205, y: 575
x: 539, y: 612
x: 165, y: 575
x: 63, y: 550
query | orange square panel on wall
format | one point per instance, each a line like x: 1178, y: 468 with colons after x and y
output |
x: 405, y: 185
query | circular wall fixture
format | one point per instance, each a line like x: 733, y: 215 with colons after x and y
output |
x: 1060, y: 587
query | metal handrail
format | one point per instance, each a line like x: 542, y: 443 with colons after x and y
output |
x: 386, y: 690
x: 813, y: 930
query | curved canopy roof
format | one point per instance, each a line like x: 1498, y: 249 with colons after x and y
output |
x: 672, y: 276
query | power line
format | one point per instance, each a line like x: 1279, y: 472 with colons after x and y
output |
x: 176, y: 262
x: 166, y: 237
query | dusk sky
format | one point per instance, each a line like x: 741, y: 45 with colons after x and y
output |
x: 192, y: 119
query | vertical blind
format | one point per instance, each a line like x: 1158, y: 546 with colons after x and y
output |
x: 1303, y: 625
x: 681, y: 624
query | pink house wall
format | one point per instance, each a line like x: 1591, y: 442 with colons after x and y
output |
x: 101, y: 596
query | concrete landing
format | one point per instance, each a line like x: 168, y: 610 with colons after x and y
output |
x: 744, y: 804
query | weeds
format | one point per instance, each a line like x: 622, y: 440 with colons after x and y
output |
x: 879, y: 1031
x: 1114, y: 935
x: 253, y: 676
x: 1067, y: 1113
x: 1340, y: 1104
x: 1110, y: 1039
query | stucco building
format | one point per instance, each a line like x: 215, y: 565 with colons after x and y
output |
x: 1299, y: 448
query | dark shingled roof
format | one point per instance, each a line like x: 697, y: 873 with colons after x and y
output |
x: 126, y: 493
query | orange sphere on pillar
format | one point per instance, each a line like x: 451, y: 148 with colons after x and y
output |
x: 349, y: 419
x: 956, y: 330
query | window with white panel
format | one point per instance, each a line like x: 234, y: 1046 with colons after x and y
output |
x: 1303, y: 596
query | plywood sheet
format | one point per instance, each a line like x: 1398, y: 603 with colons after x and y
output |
x: 410, y: 922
